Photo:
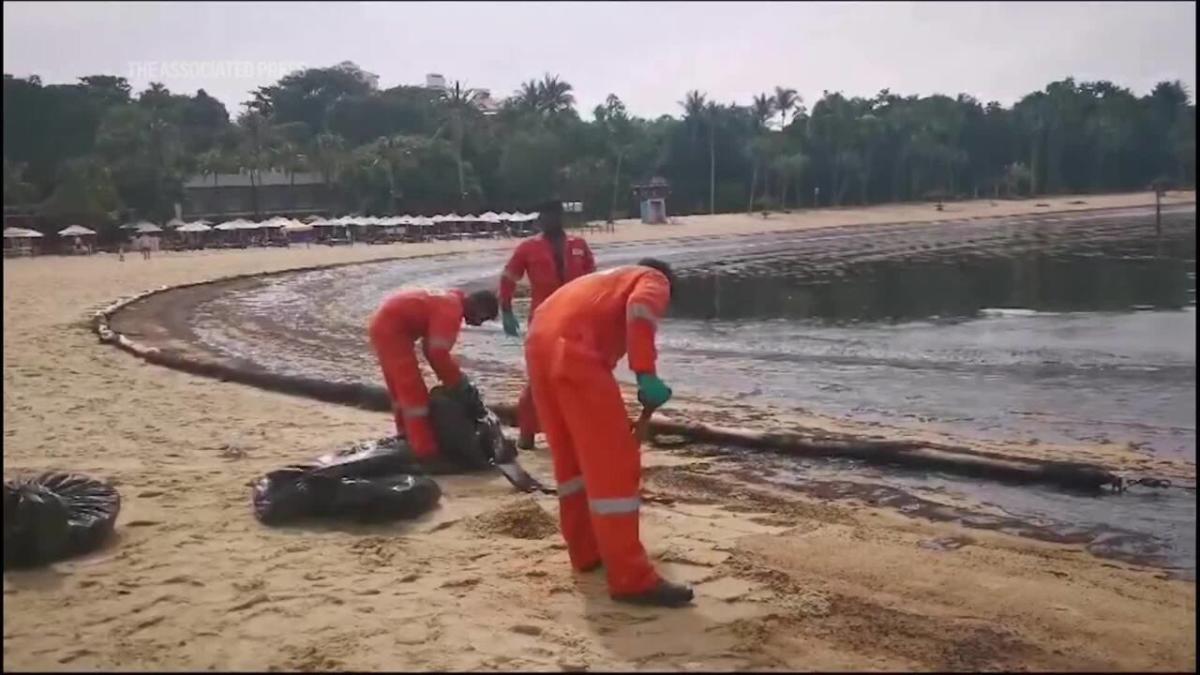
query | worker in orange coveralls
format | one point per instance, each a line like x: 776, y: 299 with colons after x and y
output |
x: 551, y: 259
x: 434, y: 318
x: 580, y: 334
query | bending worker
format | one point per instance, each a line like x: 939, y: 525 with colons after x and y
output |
x: 434, y: 318
x: 551, y: 259
x: 580, y: 334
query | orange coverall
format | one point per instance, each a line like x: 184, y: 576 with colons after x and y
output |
x: 580, y: 334
x: 535, y: 257
x: 405, y: 317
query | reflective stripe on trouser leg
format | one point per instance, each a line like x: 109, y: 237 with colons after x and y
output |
x: 612, y: 507
x: 610, y: 460
x: 570, y: 487
x: 412, y: 403
x: 575, y: 520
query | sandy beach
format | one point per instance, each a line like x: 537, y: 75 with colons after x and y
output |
x: 783, y: 581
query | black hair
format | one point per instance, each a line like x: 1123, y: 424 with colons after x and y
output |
x: 656, y: 264
x: 551, y: 206
x: 487, y: 301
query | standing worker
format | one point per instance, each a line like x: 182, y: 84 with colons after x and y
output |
x: 580, y: 335
x: 434, y: 318
x: 551, y: 259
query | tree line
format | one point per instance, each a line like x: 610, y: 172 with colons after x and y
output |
x: 94, y: 153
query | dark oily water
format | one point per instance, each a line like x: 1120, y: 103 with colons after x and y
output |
x: 1093, y: 344
x: 1103, y: 277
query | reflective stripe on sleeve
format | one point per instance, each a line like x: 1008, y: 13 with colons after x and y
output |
x: 639, y: 310
x: 609, y: 507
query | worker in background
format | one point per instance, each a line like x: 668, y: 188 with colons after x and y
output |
x: 551, y: 259
x: 580, y: 335
x: 434, y: 318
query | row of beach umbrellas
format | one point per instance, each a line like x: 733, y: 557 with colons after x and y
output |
x: 287, y: 224
x: 24, y: 233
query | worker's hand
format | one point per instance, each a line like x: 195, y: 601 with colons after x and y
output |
x: 511, y: 326
x: 652, y: 392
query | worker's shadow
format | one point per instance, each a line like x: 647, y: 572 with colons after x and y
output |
x: 648, y: 637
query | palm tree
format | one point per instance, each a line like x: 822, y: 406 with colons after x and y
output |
x: 555, y: 95
x: 870, y: 128
x: 693, y: 110
x: 215, y: 162
x: 258, y: 138
x: 528, y: 98
x: 761, y: 109
x: 789, y: 167
x: 785, y: 101
x: 397, y: 155
x: 614, y: 119
x: 710, y: 118
x: 328, y: 150
x: 460, y: 102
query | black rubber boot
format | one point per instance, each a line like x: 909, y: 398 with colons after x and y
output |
x: 525, y: 442
x: 665, y: 594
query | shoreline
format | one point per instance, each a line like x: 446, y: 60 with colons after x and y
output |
x: 795, y: 582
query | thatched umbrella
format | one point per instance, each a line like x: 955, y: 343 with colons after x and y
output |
x: 75, y: 231
x: 21, y: 233
x: 20, y: 241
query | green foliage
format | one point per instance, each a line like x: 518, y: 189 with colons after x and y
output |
x: 418, y: 149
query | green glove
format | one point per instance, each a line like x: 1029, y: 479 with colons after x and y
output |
x: 511, y: 327
x: 652, y: 392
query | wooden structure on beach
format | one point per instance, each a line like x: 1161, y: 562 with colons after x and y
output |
x: 652, y: 200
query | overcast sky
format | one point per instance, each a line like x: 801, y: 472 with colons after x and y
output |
x: 649, y: 54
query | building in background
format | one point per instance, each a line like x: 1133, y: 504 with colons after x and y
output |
x: 272, y: 193
x: 487, y: 105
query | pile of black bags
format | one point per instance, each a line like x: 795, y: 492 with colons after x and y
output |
x: 372, y: 482
x: 381, y: 480
x: 55, y: 516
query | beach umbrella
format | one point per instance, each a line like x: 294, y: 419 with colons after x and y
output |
x: 197, y: 226
x: 145, y: 227
x: 235, y: 224
x: 75, y: 231
x: 21, y: 233
x: 203, y: 221
x: 312, y: 219
x: 296, y: 226
x: 490, y: 217
x: 174, y: 223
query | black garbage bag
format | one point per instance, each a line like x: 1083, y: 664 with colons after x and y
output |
x: 468, y: 433
x: 384, y: 498
x: 55, y: 516
x: 285, y: 496
x: 471, y: 436
x: 291, y: 495
x: 383, y: 457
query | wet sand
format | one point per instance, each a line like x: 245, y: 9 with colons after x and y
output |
x: 784, y: 581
